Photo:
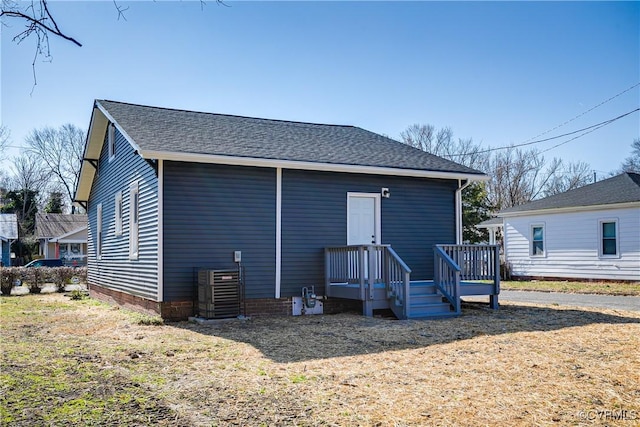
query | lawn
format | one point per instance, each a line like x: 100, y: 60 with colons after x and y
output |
x: 601, y: 288
x: 68, y: 362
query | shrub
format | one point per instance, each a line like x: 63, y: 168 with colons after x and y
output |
x: 8, y: 276
x: 61, y: 276
x: 81, y: 274
x: 35, y: 278
x: 77, y: 295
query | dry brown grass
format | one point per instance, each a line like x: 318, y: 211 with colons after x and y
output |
x: 522, y: 365
x: 577, y: 287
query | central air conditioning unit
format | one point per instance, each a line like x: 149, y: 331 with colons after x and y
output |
x: 218, y: 294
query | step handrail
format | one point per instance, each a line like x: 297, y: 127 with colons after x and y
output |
x: 397, y: 279
x: 446, y: 277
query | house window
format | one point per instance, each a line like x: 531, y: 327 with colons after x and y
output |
x: 99, y: 232
x: 118, y: 213
x: 134, y: 216
x: 111, y: 141
x: 537, y: 240
x: 609, y: 238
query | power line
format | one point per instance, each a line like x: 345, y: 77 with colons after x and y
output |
x: 589, y: 129
x: 585, y: 112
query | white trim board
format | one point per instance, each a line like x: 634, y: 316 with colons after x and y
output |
x: 305, y: 165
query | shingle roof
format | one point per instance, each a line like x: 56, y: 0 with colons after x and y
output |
x: 56, y: 225
x: 490, y: 223
x: 8, y: 226
x: 623, y: 188
x: 179, y: 131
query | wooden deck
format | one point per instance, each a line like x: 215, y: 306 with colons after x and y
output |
x: 376, y: 275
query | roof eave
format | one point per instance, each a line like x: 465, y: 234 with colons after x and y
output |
x: 306, y: 165
x: 569, y: 209
x: 70, y: 233
x: 100, y: 118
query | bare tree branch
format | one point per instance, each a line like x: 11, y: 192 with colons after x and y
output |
x: 60, y: 151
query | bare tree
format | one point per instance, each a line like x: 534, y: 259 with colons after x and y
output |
x: 632, y: 163
x: 567, y: 176
x: 37, y: 20
x: 517, y: 175
x: 26, y: 189
x: 60, y: 152
x: 442, y: 143
x: 4, y: 141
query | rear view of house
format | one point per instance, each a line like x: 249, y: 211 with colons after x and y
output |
x: 592, y: 232
x: 170, y: 193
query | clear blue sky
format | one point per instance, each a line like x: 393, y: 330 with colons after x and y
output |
x: 500, y: 73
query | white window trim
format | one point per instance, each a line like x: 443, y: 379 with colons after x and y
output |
x: 99, y: 232
x: 111, y: 141
x: 118, y: 213
x: 134, y: 223
x: 544, y: 240
x: 601, y: 238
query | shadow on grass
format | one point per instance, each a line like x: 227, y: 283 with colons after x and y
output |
x: 296, y: 339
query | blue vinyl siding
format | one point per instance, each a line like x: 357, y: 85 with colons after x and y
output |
x: 419, y: 214
x: 210, y: 211
x: 115, y: 270
x: 6, y: 253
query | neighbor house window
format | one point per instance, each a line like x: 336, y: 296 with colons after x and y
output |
x: 111, y: 141
x: 537, y: 240
x: 99, y: 232
x: 134, y: 216
x: 118, y: 213
x: 609, y: 238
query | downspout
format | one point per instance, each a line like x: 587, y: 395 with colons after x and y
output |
x: 459, y: 209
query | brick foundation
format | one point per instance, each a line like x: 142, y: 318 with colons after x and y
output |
x: 267, y: 307
x: 131, y: 302
x: 181, y: 310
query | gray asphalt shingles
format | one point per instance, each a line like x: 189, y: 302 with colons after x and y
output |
x: 179, y: 131
x: 623, y: 188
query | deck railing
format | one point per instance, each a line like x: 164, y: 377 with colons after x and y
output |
x: 355, y: 264
x: 446, y: 277
x: 367, y: 265
x: 477, y: 262
x: 397, y: 279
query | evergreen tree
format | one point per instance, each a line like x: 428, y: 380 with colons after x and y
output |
x: 55, y: 203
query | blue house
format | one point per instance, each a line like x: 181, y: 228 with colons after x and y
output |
x: 290, y: 205
x: 8, y: 234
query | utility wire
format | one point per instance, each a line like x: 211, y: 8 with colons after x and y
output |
x: 585, y: 112
x: 589, y: 129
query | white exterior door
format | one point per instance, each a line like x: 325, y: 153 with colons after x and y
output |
x: 363, y: 219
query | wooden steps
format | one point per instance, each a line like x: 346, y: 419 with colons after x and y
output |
x: 426, y: 302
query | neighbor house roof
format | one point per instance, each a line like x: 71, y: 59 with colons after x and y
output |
x: 8, y: 227
x: 49, y: 226
x: 620, y: 189
x: 163, y: 133
x: 490, y: 223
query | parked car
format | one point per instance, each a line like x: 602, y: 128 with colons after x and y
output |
x: 45, y: 263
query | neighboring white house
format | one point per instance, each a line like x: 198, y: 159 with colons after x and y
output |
x: 592, y: 232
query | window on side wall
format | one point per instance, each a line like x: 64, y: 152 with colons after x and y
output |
x: 111, y: 141
x: 537, y: 240
x: 118, y: 213
x: 99, y: 232
x: 609, y: 238
x: 134, y: 216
